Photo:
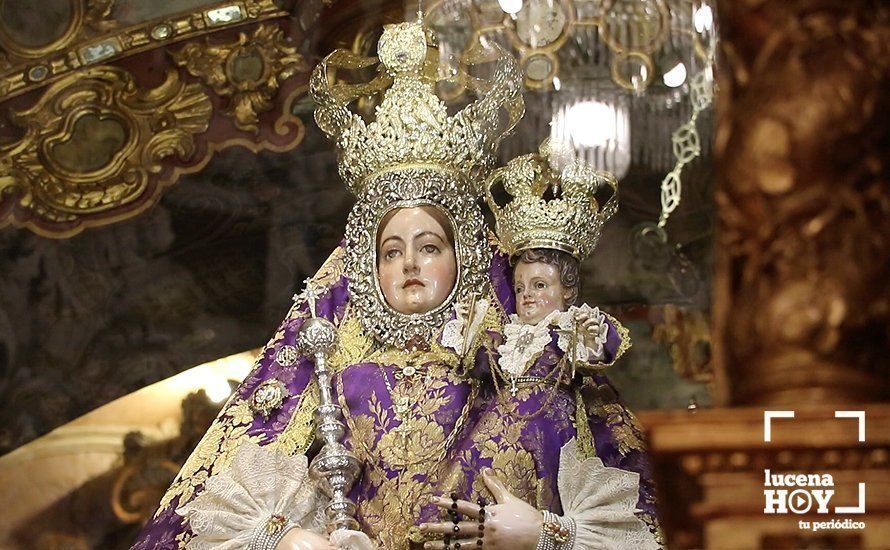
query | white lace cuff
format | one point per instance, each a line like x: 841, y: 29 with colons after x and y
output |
x: 260, y: 485
x: 455, y: 335
x: 583, y: 353
x: 602, y: 501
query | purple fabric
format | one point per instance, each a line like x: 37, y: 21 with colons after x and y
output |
x: 161, y: 531
x: 502, y: 281
x: 543, y: 435
x: 552, y: 427
x: 362, y: 381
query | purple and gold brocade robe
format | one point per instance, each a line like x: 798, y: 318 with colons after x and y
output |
x: 519, y: 434
x: 413, y: 420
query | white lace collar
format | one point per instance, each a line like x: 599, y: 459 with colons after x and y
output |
x: 524, y: 343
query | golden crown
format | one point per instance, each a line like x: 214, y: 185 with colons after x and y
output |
x: 412, y: 128
x: 569, y: 219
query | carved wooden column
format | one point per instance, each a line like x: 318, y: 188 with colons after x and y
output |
x: 802, y: 304
x: 802, y: 282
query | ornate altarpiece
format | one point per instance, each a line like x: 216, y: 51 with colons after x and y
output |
x: 801, y: 303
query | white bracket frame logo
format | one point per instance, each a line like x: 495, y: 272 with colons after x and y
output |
x: 768, y: 417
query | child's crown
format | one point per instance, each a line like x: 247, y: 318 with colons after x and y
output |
x: 571, y: 220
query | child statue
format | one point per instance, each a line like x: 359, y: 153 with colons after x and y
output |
x: 546, y: 368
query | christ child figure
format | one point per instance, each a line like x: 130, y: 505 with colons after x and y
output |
x: 546, y: 284
x: 546, y: 361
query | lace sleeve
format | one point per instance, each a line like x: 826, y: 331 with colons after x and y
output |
x: 601, y: 501
x: 583, y: 353
x: 455, y: 334
x: 260, y: 483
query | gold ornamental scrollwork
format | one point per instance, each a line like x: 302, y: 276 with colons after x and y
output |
x: 248, y: 70
x: 89, y: 35
x: 90, y: 145
x: 69, y: 30
x: 85, y: 19
x: 688, y: 335
x: 98, y: 15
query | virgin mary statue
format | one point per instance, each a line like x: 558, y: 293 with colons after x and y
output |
x: 415, y: 248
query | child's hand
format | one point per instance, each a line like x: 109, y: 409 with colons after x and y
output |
x: 589, y: 328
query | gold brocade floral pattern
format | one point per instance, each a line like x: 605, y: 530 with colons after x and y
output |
x: 509, y: 443
x: 394, y: 510
x: 586, y: 448
x: 509, y: 460
x: 623, y: 424
x: 353, y: 343
x: 406, y: 447
x: 402, y: 434
x: 299, y: 433
x: 214, y: 452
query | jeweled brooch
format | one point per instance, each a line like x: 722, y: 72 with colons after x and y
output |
x: 287, y: 356
x: 268, y: 396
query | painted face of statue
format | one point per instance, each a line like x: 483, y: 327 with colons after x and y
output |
x: 416, y: 262
x: 539, y: 291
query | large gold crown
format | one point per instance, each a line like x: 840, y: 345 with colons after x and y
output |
x: 553, y: 203
x: 412, y: 128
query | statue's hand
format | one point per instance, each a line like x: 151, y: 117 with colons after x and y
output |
x: 588, y: 328
x: 462, y: 310
x: 510, y: 524
x: 302, y: 539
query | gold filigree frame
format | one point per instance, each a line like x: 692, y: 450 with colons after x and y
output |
x: 33, y: 68
x: 409, y: 187
x: 216, y: 65
x: 156, y: 123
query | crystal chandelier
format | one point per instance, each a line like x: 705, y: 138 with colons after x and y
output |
x: 622, y: 81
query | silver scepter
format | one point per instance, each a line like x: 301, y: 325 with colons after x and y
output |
x: 334, y: 468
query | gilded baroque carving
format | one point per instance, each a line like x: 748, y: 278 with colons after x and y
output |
x: 98, y: 15
x: 687, y: 333
x: 91, y: 143
x: 248, y: 70
x: 802, y: 303
x: 85, y: 19
x: 93, y: 37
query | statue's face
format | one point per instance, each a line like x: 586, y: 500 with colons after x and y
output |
x: 539, y: 291
x: 415, y: 261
